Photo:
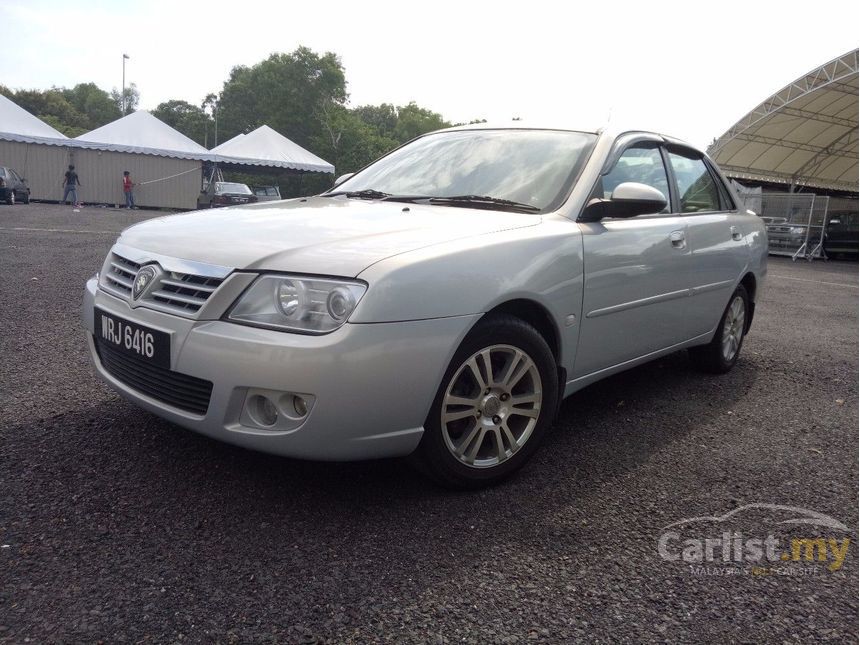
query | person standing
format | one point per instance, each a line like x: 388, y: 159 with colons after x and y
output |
x: 70, y: 185
x: 128, y: 188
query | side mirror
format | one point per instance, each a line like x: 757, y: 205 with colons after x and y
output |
x: 627, y: 200
x: 342, y: 178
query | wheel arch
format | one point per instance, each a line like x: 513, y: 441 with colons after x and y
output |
x: 750, y: 284
x: 537, y: 316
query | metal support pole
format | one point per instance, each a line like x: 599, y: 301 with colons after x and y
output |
x: 125, y: 57
x: 802, y: 249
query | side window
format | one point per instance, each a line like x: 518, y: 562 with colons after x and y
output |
x: 641, y: 165
x: 696, y: 187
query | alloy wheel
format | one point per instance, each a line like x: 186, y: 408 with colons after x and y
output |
x: 733, y: 328
x: 491, y: 406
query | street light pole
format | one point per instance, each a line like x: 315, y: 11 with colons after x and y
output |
x: 125, y: 57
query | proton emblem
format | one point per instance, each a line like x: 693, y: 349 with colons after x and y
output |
x: 145, y: 276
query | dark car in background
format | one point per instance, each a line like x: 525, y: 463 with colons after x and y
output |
x: 842, y: 233
x: 13, y: 187
x: 225, y: 193
x: 784, y: 235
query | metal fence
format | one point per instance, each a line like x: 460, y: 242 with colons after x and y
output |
x: 796, y: 222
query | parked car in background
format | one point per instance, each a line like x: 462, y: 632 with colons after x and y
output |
x: 225, y: 193
x: 267, y: 193
x: 842, y: 234
x: 785, y: 235
x: 439, y: 303
x: 13, y: 187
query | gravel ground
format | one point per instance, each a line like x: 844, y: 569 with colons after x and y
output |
x: 116, y: 526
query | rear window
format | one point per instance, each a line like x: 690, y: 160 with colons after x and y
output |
x: 227, y: 187
x: 696, y: 186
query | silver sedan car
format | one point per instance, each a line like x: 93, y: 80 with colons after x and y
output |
x: 439, y: 303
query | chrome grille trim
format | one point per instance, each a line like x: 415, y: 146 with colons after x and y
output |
x: 120, y: 275
x: 180, y: 293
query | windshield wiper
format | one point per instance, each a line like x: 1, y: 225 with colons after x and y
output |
x: 367, y: 193
x: 483, y: 201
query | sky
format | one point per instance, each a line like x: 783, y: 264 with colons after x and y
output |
x: 687, y: 69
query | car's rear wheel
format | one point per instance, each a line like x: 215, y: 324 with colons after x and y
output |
x: 496, y: 401
x: 721, y: 354
x: 26, y: 198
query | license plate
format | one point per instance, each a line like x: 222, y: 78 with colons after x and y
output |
x: 133, y: 339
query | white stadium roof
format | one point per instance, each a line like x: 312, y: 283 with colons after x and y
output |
x: 266, y: 147
x: 805, y: 134
x: 16, y: 124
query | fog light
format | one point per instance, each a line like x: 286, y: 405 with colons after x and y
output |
x: 263, y: 411
x: 300, y: 406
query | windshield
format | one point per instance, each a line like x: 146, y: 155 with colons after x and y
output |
x: 226, y: 187
x: 533, y: 167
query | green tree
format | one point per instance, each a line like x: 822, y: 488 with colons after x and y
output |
x: 286, y: 91
x: 347, y: 141
x: 382, y: 117
x: 189, y: 119
x: 53, y: 108
x: 57, y: 124
x: 127, y: 100
x: 94, y: 103
x: 413, y: 121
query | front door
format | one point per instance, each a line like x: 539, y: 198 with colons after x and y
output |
x: 636, y: 274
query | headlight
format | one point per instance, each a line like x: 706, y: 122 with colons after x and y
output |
x: 290, y: 303
x: 797, y: 230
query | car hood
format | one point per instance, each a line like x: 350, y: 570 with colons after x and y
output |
x: 323, y: 235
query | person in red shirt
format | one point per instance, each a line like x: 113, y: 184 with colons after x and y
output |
x: 128, y: 188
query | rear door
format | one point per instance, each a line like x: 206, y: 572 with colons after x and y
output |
x: 715, y: 236
x: 636, y: 272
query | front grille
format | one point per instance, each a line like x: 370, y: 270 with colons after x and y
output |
x: 185, y: 291
x: 120, y: 274
x: 182, y: 293
x: 181, y: 391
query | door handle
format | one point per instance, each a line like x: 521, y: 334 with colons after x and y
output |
x: 678, y: 239
x: 737, y: 236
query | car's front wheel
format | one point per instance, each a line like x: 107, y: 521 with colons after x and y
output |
x: 496, y: 401
x: 10, y: 198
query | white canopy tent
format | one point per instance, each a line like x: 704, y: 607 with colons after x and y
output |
x: 140, y: 132
x: 268, y: 148
x: 804, y: 135
x: 16, y: 124
x: 32, y: 148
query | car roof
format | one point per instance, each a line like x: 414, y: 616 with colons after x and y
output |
x: 610, y: 130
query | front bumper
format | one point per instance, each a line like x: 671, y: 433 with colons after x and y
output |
x: 371, y: 384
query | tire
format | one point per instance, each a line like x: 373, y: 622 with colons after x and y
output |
x: 720, y: 355
x: 10, y: 198
x: 488, y: 435
x: 26, y: 199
